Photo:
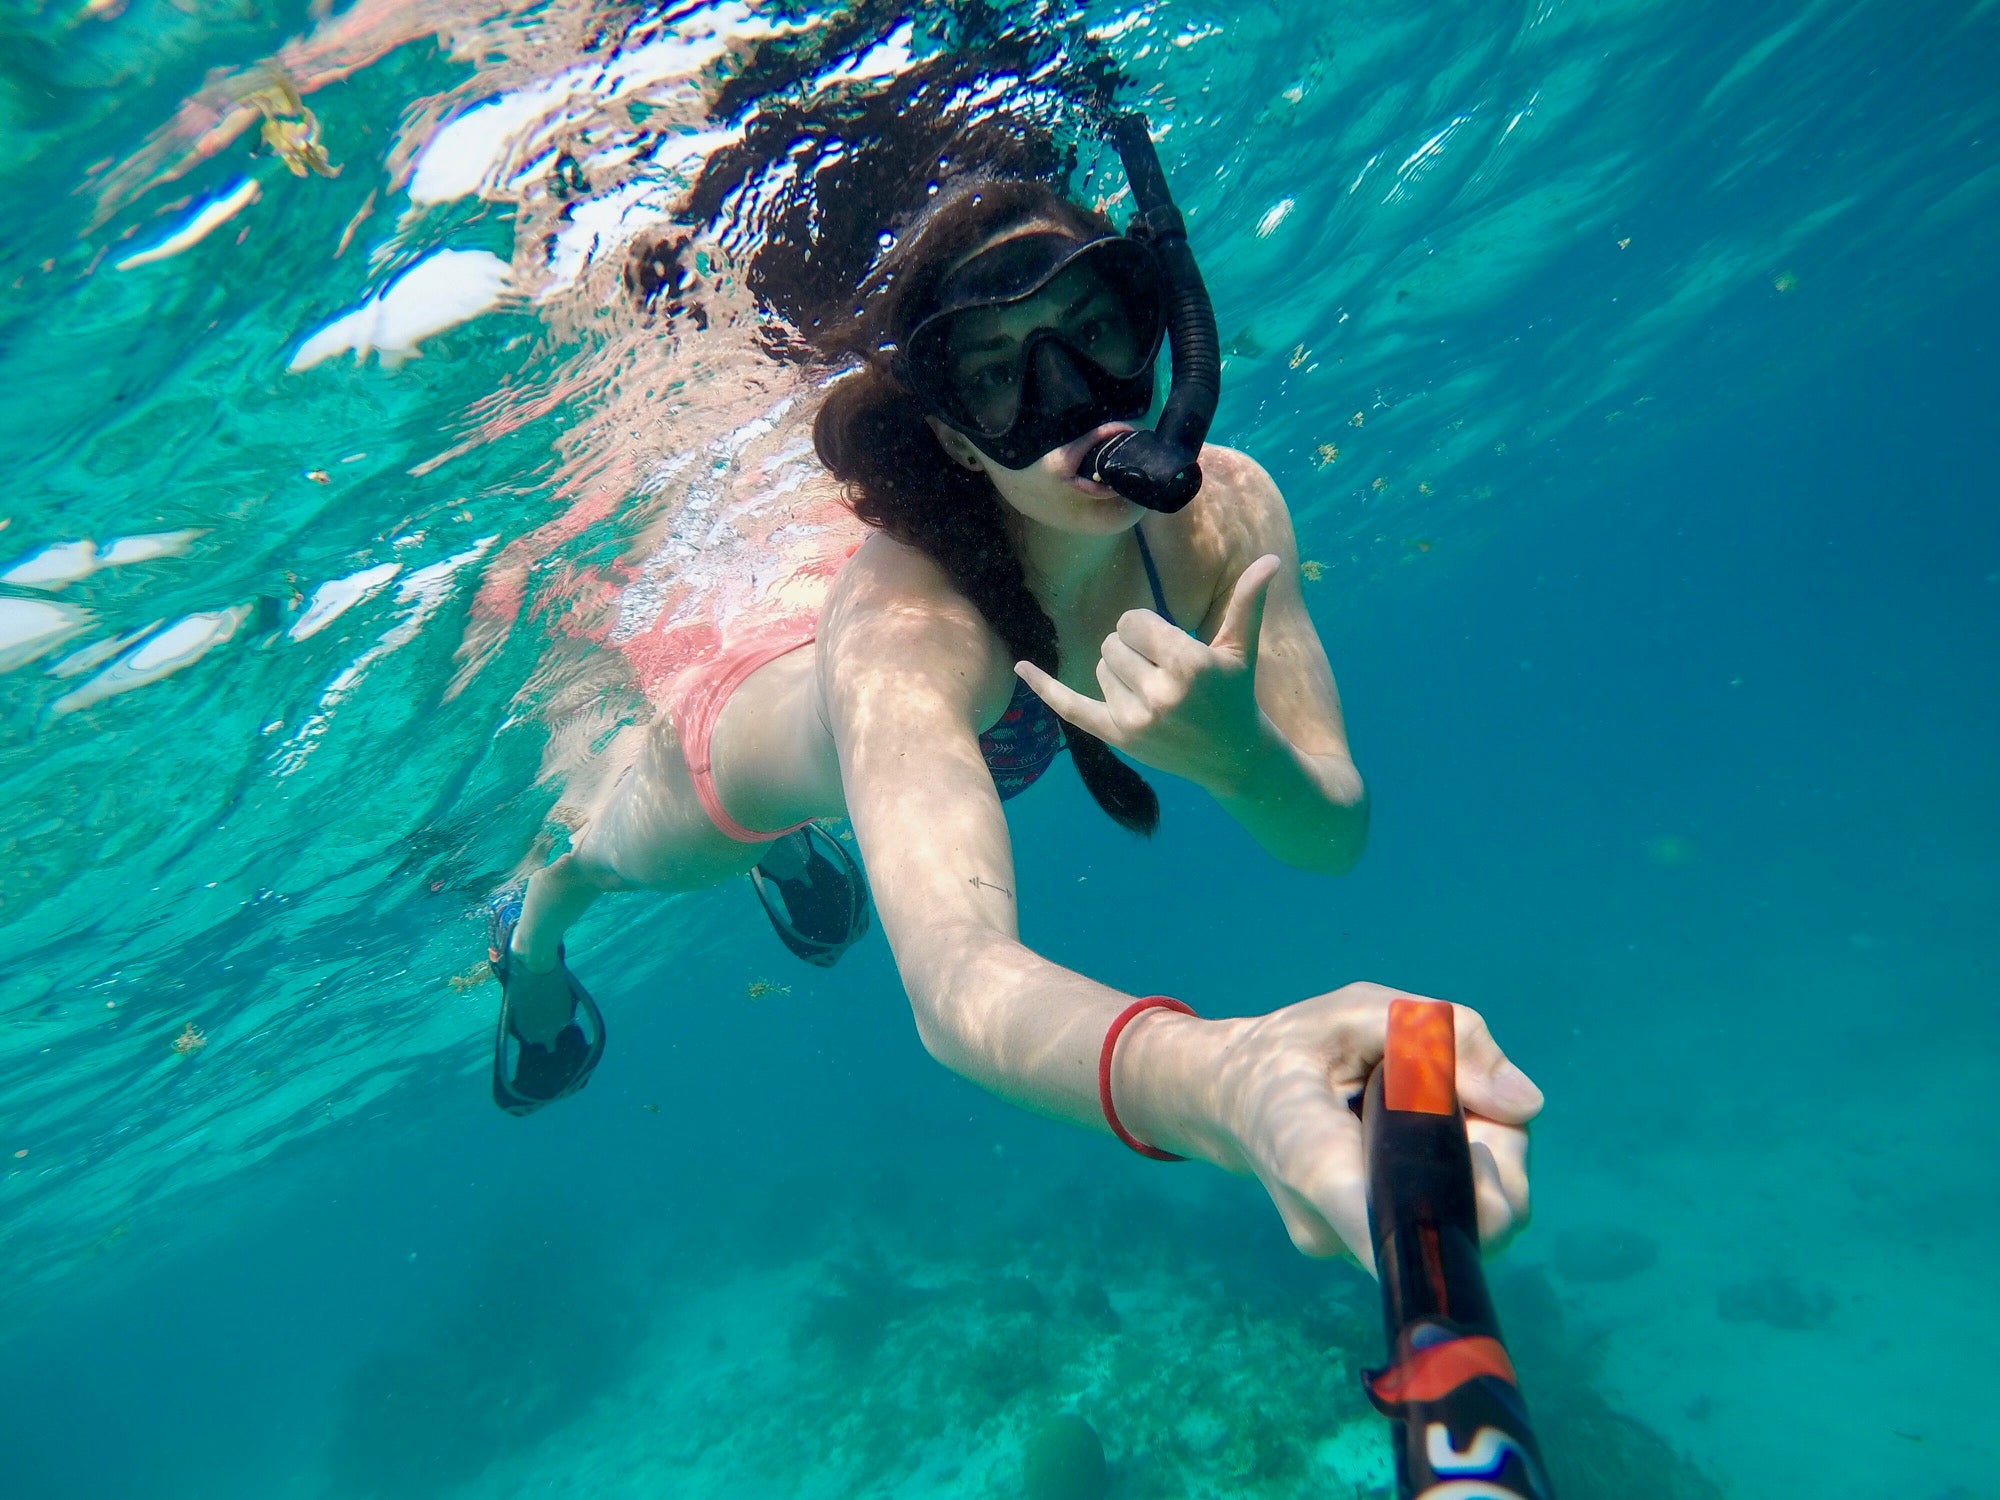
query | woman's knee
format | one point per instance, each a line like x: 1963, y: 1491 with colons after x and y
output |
x: 586, y: 869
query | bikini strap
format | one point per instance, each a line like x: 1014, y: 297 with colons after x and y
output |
x: 1153, y: 579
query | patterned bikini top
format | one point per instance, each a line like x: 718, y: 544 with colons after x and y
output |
x: 1029, y: 736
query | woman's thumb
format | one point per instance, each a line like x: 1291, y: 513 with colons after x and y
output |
x: 1243, y: 620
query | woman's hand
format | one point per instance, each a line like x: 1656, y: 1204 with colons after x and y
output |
x: 1270, y: 1095
x: 1172, y: 702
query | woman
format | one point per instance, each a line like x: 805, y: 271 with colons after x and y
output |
x: 1002, y: 608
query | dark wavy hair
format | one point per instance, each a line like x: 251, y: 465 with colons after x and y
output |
x: 871, y: 435
x: 823, y: 165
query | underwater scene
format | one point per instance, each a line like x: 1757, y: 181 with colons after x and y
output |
x: 394, y: 393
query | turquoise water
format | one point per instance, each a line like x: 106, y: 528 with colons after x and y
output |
x: 1658, y: 567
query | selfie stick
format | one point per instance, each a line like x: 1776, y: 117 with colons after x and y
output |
x: 1461, y: 1427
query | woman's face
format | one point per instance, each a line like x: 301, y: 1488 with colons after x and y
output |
x: 1049, y: 490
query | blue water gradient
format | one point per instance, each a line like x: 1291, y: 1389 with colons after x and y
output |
x: 1666, y: 641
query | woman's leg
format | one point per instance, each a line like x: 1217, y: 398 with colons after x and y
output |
x: 773, y: 758
x: 641, y: 836
x: 538, y: 996
x: 558, y: 894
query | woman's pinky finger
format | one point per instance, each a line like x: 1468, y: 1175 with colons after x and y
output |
x: 1313, y: 1233
x: 1498, y: 1221
x: 1086, y: 713
x: 1508, y: 1146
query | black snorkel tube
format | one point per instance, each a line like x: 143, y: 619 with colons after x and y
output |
x: 1461, y: 1427
x: 1160, y: 469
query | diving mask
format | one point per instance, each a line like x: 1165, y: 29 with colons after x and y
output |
x: 1036, y: 340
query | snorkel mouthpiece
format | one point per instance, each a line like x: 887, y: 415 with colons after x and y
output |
x: 1161, y: 469
x: 1146, y: 469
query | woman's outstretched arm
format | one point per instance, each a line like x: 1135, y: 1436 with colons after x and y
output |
x: 907, y: 669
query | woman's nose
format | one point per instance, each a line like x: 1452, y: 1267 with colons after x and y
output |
x: 1058, y: 382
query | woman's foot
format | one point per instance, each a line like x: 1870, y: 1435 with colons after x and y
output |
x: 814, y: 893
x: 551, y: 1033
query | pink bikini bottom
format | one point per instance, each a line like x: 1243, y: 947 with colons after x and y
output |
x: 700, y: 695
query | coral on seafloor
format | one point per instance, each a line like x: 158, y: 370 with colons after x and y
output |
x: 1593, y: 1451
x: 1094, y: 1346
x: 1219, y: 1365
x: 1779, y: 1300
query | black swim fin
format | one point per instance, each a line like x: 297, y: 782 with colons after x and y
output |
x: 820, y: 910
x: 528, y: 1075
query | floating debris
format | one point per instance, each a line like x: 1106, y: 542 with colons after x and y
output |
x: 191, y: 1040
x: 1312, y: 571
x: 759, y: 988
x: 1378, y: 484
x: 1359, y: 419
x: 319, y: 476
x: 1785, y: 281
x: 360, y: 216
x: 1624, y: 242
x: 291, y: 131
x: 1423, y: 489
x: 472, y: 978
x: 1327, y: 453
x: 1298, y: 356
x: 569, y: 179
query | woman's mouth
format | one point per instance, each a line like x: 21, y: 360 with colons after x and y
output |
x: 1075, y: 454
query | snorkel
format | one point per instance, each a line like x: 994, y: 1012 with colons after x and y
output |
x: 1462, y: 1428
x: 1161, y: 469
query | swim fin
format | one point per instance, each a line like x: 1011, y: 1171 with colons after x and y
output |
x: 528, y: 1075
x: 820, y: 905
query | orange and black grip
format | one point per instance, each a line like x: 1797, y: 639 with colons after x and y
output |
x: 1461, y: 1425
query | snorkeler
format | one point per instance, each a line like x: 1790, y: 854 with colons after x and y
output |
x: 1008, y: 605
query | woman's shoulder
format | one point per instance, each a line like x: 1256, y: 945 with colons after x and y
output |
x: 1231, y: 521
x: 888, y: 576
x: 1239, y: 513
x: 1235, y: 485
x: 892, y: 603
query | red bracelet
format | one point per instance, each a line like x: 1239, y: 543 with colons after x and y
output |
x: 1125, y: 1018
